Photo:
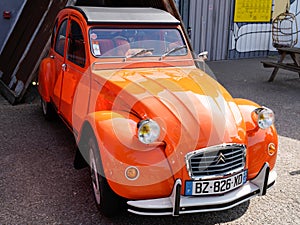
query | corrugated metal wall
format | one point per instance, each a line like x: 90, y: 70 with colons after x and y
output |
x: 255, y: 39
x: 210, y: 22
x: 184, y: 8
x: 249, y: 40
x: 214, y: 30
x: 295, y: 8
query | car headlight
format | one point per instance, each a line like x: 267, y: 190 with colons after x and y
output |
x: 148, y: 131
x: 265, y: 117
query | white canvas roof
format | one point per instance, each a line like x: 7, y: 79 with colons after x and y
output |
x: 126, y: 15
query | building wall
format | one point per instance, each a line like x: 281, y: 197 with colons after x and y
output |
x: 214, y: 30
x: 295, y: 9
x: 209, y: 21
x: 255, y: 39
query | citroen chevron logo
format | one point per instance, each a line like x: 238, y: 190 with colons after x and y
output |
x: 221, y: 159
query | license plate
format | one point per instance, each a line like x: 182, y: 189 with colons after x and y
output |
x: 212, y: 187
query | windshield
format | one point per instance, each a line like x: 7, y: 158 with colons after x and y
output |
x: 137, y: 42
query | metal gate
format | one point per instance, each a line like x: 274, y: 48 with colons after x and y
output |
x: 12, y: 10
x: 25, y: 46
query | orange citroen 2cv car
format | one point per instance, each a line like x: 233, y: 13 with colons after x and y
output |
x: 157, y: 131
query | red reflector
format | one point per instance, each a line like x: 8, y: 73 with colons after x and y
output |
x: 6, y: 14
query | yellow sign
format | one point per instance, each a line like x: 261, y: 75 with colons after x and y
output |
x: 253, y: 10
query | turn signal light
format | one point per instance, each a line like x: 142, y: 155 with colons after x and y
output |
x: 272, y: 149
x: 132, y: 173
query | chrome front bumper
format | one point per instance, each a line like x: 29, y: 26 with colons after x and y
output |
x: 177, y: 204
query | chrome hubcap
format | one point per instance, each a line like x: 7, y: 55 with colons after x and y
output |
x: 94, y: 177
x: 44, y: 106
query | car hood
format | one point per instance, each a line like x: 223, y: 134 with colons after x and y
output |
x: 185, y: 102
x: 193, y: 110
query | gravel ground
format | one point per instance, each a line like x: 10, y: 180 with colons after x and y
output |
x: 38, y: 184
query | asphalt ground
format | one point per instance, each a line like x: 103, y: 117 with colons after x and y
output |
x: 39, y: 185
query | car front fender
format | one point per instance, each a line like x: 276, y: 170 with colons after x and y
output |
x: 46, y: 73
x: 120, y: 149
x: 246, y: 108
x: 262, y: 143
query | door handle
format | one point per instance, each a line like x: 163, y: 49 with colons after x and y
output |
x: 64, y: 67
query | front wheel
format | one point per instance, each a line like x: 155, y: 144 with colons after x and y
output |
x: 47, y: 109
x: 108, y: 203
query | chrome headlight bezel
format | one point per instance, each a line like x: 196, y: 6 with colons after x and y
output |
x: 148, y: 131
x: 265, y: 118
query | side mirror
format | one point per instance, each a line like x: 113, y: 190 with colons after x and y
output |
x: 203, y: 55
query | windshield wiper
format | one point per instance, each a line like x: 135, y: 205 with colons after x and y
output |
x: 140, y: 52
x: 172, y: 51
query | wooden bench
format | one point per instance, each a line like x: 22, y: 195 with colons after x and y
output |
x: 295, y: 66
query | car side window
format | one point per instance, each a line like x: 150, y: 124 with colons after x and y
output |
x: 76, y: 47
x: 61, y: 38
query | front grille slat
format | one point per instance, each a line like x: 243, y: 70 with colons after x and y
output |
x: 237, y: 161
x: 220, y: 171
x: 216, y: 161
x: 233, y: 158
x: 226, y: 155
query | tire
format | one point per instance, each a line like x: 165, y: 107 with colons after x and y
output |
x: 108, y: 203
x: 47, y: 109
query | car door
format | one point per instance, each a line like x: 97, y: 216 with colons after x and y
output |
x: 75, y: 88
x: 58, y: 55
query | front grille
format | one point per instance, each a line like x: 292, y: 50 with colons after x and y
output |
x: 216, y: 161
